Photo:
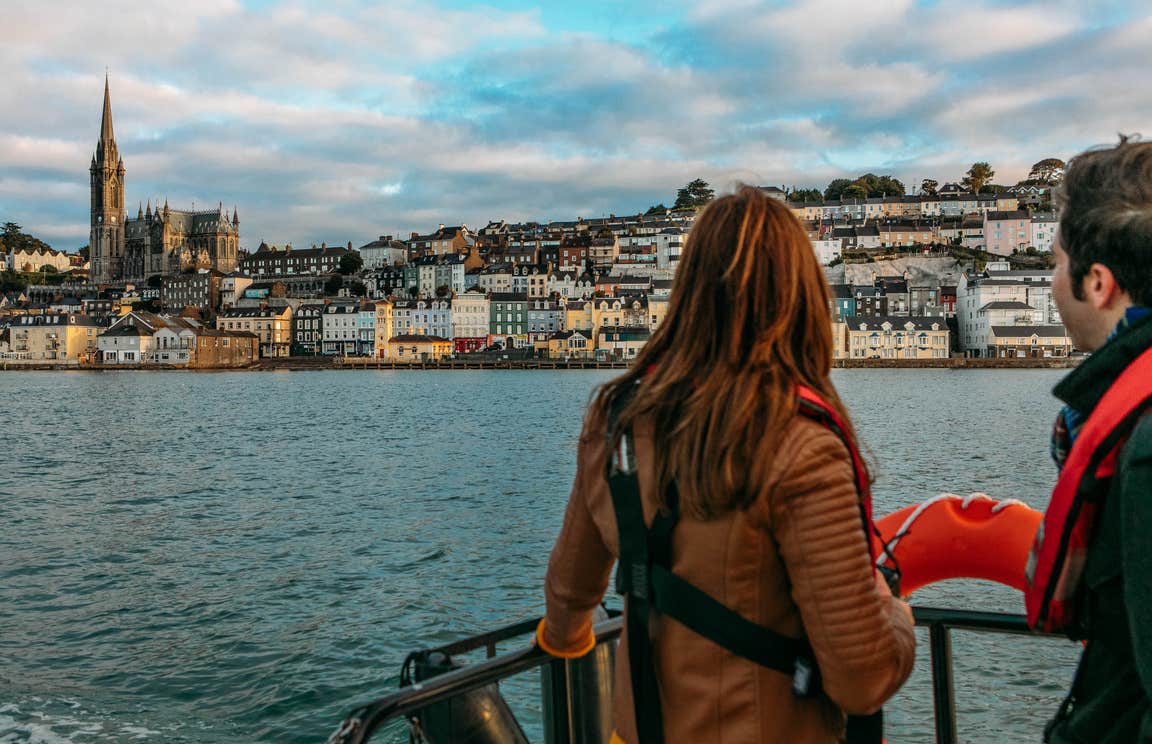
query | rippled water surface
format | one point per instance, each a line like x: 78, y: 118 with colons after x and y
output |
x: 241, y: 557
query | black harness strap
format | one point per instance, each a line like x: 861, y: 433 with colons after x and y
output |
x: 645, y: 576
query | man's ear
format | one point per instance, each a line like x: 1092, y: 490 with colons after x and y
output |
x: 1101, y: 289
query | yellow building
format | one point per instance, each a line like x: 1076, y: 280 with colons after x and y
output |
x: 52, y: 337
x: 383, y: 329
x: 896, y: 338
x: 578, y: 315
x: 418, y: 348
x: 1029, y: 341
x: 272, y: 325
x: 569, y: 345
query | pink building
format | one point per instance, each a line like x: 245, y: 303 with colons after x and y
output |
x: 1005, y: 232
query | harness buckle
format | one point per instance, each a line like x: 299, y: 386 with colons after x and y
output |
x: 802, y: 677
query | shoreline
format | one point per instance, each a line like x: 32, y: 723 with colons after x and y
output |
x: 304, y: 364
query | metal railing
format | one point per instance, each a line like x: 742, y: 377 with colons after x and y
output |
x: 367, y: 720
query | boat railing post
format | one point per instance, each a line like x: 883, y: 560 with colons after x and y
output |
x: 943, y: 689
x: 556, y: 702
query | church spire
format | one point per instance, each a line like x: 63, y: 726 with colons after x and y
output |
x: 106, y: 134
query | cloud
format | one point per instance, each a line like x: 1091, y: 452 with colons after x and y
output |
x: 344, y: 120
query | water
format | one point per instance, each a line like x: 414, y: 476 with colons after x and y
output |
x: 241, y: 557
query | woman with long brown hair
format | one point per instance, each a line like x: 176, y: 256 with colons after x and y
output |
x: 722, y: 471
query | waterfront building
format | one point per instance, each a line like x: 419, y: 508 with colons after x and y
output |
x: 130, y: 339
x: 1028, y: 341
x: 418, y: 348
x: 308, y: 329
x: 621, y: 342
x: 383, y: 329
x: 983, y: 301
x: 271, y: 325
x: 163, y: 242
x: 52, y: 337
x: 570, y: 345
x: 471, y: 313
x: 402, y: 317
x: 366, y: 329
x: 340, y: 328
x: 545, y: 317
x: 895, y: 338
x: 508, y: 319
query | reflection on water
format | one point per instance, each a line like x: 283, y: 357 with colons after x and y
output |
x: 241, y: 557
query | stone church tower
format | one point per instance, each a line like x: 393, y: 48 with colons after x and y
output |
x: 156, y: 243
x: 106, y: 238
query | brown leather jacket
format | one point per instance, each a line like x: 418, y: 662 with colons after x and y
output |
x: 795, y: 560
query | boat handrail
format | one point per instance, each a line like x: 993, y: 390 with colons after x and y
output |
x: 365, y: 721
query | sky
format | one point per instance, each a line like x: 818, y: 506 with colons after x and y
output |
x: 341, y: 120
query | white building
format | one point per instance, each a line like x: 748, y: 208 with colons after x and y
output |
x: 1043, y: 231
x: 972, y: 295
x: 669, y: 245
x: 470, y: 312
x: 432, y: 317
x: 827, y: 251
x: 341, y: 328
x: 383, y: 252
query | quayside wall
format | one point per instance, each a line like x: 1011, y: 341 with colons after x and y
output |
x: 356, y: 363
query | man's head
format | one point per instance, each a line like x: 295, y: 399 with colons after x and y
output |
x: 1104, y: 245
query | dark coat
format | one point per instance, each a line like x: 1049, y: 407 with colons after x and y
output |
x: 1110, y: 698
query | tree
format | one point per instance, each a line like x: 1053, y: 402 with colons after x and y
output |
x: 413, y: 291
x: 83, y: 253
x: 350, y: 263
x: 333, y: 284
x: 877, y: 186
x: 928, y: 186
x: 979, y: 174
x: 836, y: 188
x: 656, y: 209
x: 854, y: 191
x: 1046, y: 172
x: 155, y: 281
x: 696, y: 193
x: 803, y: 195
x: 443, y: 290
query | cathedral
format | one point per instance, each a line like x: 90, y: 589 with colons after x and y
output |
x: 158, y: 241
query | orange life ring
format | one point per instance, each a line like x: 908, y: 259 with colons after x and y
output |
x: 950, y: 537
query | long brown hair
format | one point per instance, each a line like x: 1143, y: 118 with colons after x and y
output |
x: 748, y: 320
